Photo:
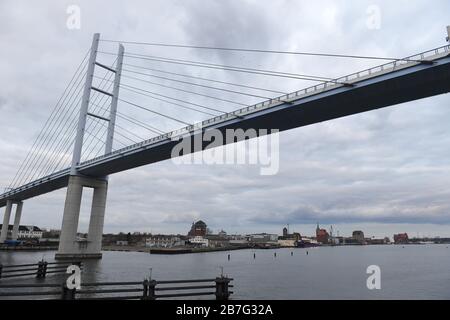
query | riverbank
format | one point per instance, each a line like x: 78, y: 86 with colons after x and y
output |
x: 28, y: 248
x: 180, y: 250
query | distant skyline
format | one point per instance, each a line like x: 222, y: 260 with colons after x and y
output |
x: 383, y: 172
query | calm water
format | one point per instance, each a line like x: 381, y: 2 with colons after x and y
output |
x: 410, y: 272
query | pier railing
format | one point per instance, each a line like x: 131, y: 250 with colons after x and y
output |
x: 40, y: 269
x: 142, y: 290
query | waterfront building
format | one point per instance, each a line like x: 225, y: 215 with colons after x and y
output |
x: 358, y: 237
x: 238, y: 240
x: 164, y: 241
x: 401, y: 238
x: 262, y: 238
x: 51, y: 234
x: 25, y: 232
x: 222, y: 234
x: 199, y: 241
x: 289, y: 240
x: 198, y: 229
x: 378, y: 241
x: 322, y: 235
x: 219, y: 240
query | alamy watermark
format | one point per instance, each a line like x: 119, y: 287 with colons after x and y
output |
x: 374, y: 280
x: 74, y: 280
x: 373, y: 21
x: 261, y: 147
x: 73, y: 21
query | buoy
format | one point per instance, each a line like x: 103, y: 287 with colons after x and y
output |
x: 292, y: 253
x: 275, y: 254
x: 307, y: 252
x: 254, y: 256
x: 228, y: 257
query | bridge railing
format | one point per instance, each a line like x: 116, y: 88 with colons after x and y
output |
x: 52, y: 176
x: 141, y: 290
x: 39, y: 270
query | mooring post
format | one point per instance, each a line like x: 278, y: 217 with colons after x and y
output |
x: 145, y: 290
x: 151, y: 290
x: 44, y: 269
x: 222, y: 292
x: 40, y: 269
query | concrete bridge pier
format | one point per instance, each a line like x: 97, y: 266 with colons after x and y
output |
x: 70, y: 247
x: 6, y: 217
x: 15, y: 231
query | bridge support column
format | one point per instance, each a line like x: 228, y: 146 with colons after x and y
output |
x: 95, y: 233
x: 5, y: 226
x: 15, y: 230
x: 69, y: 246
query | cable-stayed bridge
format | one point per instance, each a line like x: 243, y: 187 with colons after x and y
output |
x: 83, y: 143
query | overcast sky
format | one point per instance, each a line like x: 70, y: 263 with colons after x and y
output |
x: 383, y: 172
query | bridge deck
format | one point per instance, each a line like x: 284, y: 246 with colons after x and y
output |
x: 375, y: 88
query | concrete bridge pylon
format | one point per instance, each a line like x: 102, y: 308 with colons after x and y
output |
x: 70, y: 246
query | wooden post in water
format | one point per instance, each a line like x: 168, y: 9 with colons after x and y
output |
x: 151, y: 290
x: 42, y: 269
x: 145, y: 290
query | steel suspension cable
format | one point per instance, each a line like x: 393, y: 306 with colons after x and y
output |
x: 199, y: 85
x: 155, y: 112
x: 181, y: 106
x: 49, y: 138
x: 130, y: 88
x: 190, y: 92
x: 319, y: 54
x: 205, y: 79
x: 73, y: 125
x: 50, y: 142
x: 55, y: 109
x: 229, y: 68
x: 138, y: 123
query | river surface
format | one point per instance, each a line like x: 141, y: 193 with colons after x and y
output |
x: 407, y: 272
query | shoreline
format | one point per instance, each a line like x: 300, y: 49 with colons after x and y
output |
x: 187, y: 250
x: 170, y: 251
